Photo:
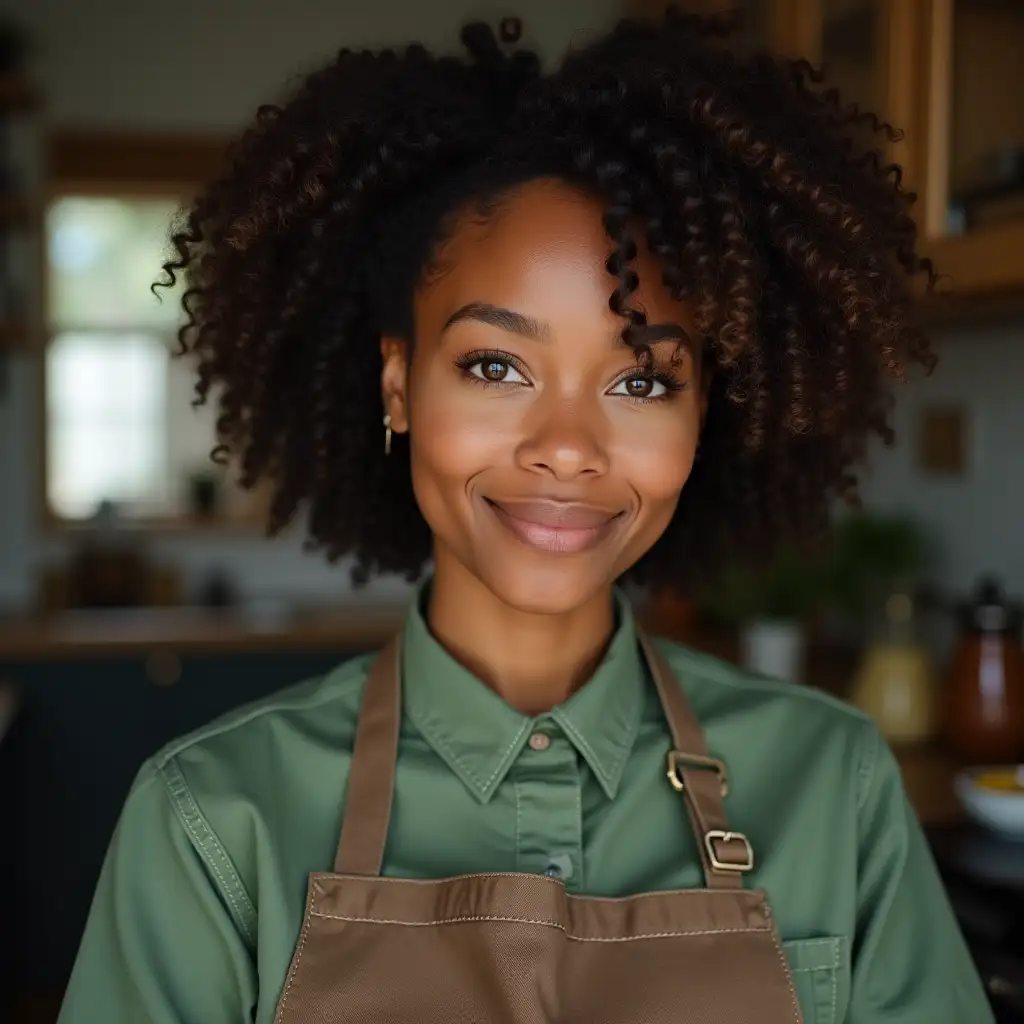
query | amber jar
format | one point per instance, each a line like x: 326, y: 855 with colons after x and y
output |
x: 984, y: 698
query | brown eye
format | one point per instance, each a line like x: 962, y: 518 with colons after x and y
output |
x: 639, y: 387
x: 494, y: 370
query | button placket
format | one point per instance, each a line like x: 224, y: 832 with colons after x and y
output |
x: 547, y: 781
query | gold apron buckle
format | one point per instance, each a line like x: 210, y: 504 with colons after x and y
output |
x: 717, y: 835
x: 677, y: 759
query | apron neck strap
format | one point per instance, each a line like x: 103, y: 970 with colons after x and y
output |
x: 703, y: 782
x: 371, y: 777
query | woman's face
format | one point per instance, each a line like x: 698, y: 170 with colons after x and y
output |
x: 545, y: 459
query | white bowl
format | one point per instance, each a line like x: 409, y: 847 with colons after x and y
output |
x: 1000, y: 811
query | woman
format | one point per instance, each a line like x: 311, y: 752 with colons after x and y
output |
x: 626, y: 319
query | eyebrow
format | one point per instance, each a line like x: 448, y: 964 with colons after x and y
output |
x: 650, y: 334
x: 527, y: 327
x: 498, y: 316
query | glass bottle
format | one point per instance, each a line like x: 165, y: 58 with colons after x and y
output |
x: 895, y: 682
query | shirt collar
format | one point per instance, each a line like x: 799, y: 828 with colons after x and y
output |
x: 479, y: 736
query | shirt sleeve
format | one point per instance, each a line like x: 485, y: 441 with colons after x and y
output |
x: 910, y: 962
x: 160, y: 946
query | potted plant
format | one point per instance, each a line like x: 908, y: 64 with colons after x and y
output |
x: 770, y: 606
x: 874, y: 555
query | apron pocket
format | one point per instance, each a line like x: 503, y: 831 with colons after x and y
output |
x: 821, y: 976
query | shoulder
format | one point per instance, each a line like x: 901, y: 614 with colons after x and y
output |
x: 255, y: 755
x: 715, y: 684
x: 333, y: 697
x: 261, y: 784
x: 770, y: 721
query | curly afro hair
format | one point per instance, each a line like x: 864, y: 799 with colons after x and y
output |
x: 790, y: 239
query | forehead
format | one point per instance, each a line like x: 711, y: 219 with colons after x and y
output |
x: 543, y: 251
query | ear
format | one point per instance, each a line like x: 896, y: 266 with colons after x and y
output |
x: 394, y: 382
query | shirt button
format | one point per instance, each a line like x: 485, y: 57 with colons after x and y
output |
x: 559, y: 867
x: 540, y: 741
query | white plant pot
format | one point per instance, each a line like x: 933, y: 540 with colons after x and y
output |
x: 774, y: 648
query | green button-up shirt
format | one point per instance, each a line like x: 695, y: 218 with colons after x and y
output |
x: 202, y: 894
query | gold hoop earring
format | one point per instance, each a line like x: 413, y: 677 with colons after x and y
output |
x: 387, y: 435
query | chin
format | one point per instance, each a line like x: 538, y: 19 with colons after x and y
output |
x: 556, y: 588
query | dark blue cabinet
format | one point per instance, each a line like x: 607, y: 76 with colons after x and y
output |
x: 84, y: 729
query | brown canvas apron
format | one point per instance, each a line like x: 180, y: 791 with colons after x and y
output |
x: 517, y: 948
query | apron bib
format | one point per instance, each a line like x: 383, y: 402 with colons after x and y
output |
x: 518, y: 948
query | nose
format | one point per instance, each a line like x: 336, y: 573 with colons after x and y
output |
x: 565, y: 442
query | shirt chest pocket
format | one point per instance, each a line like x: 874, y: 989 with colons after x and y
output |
x: 821, y: 976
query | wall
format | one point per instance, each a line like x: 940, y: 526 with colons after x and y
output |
x: 977, y: 519
x: 199, y: 66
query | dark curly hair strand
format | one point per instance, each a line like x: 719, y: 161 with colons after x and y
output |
x: 793, y: 245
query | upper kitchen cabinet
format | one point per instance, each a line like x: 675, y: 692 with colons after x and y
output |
x: 950, y: 74
x: 972, y: 163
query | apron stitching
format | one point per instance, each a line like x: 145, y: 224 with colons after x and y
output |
x: 310, y: 913
x: 794, y: 1002
x: 532, y: 877
x: 528, y: 920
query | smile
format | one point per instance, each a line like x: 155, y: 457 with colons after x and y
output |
x: 555, y: 527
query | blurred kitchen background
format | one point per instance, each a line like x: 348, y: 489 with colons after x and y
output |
x: 139, y: 599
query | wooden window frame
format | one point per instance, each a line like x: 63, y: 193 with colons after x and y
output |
x: 92, y: 163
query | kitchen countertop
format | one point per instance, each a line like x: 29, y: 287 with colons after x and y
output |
x: 104, y: 633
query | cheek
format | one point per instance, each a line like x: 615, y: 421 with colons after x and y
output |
x: 656, y: 451
x: 455, y: 433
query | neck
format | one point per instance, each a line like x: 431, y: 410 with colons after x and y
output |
x: 532, y: 661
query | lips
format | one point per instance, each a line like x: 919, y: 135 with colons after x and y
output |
x: 555, y: 527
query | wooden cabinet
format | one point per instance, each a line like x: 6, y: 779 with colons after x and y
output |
x: 950, y: 74
x: 972, y: 164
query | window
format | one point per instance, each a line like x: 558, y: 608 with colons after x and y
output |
x: 120, y: 426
